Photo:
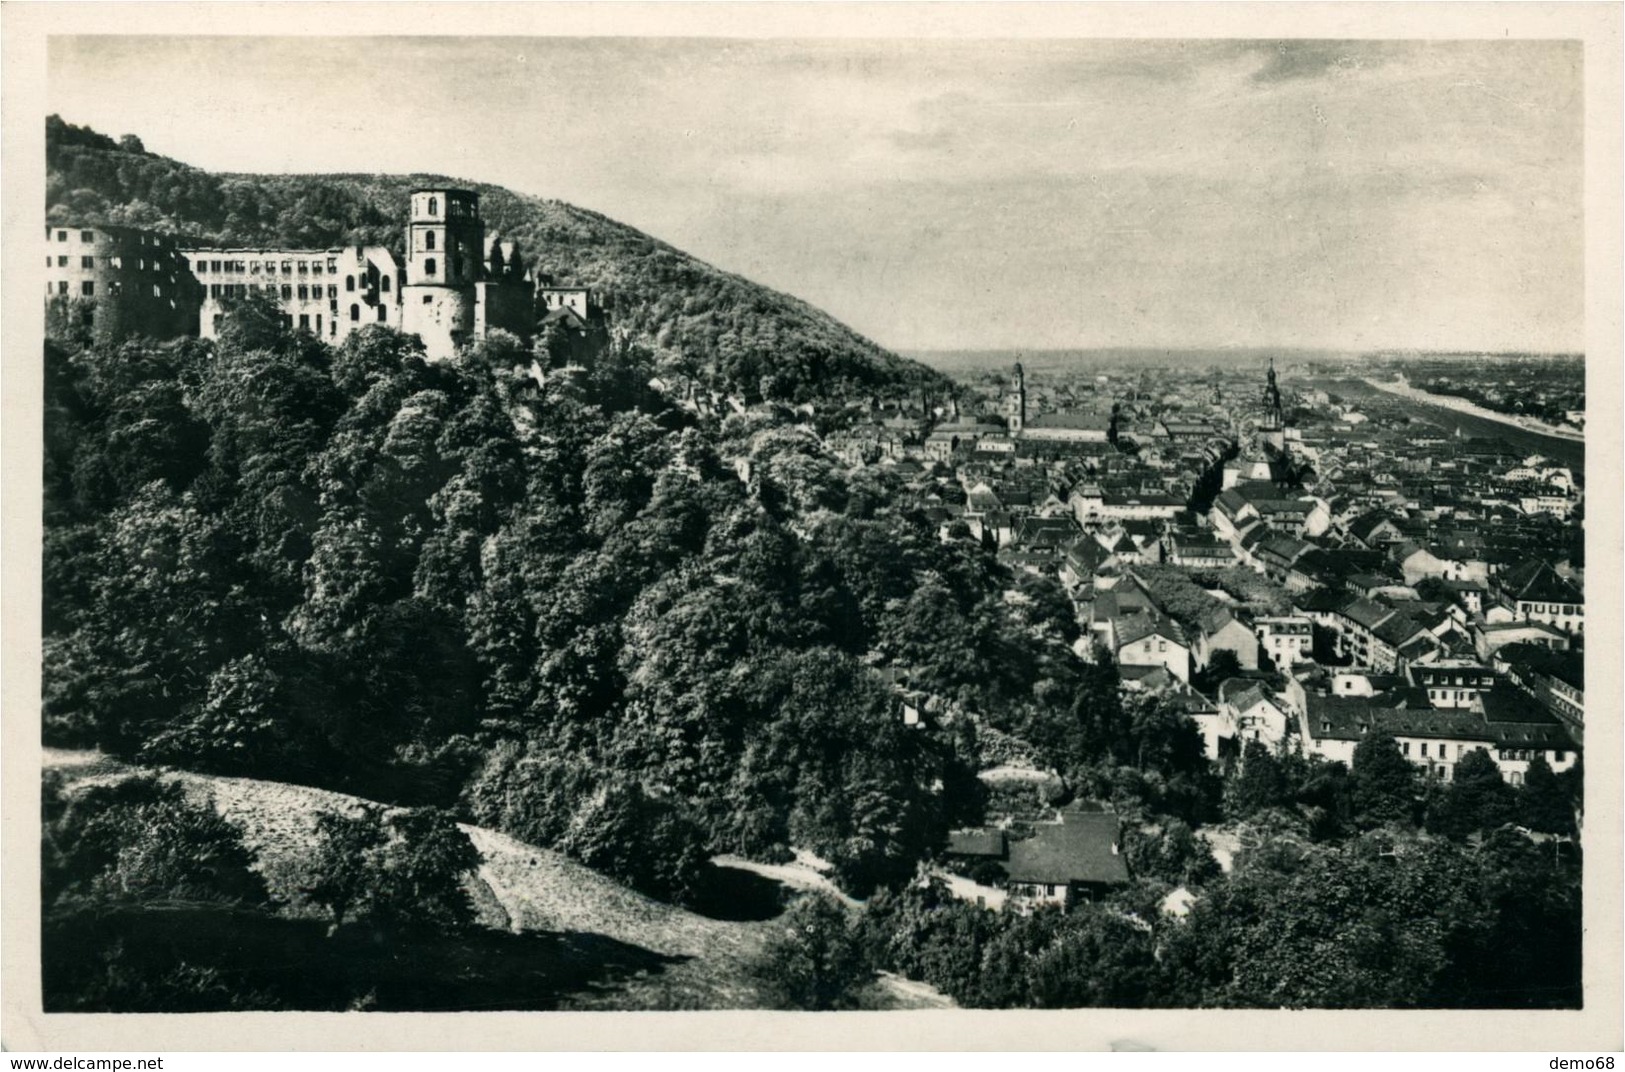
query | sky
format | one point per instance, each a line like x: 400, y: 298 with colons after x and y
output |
x: 962, y: 194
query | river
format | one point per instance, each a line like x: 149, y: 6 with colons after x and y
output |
x: 1569, y: 452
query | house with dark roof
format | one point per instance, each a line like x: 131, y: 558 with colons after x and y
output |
x: 1081, y: 557
x: 1222, y: 629
x: 1197, y: 550
x: 1399, y: 632
x: 1068, y: 427
x: 1153, y: 640
x: 1534, y: 591
x: 1286, y: 639
x: 1375, y: 529
x: 977, y: 845
x: 1078, y: 859
x: 1555, y: 678
x: 1489, y: 637
x: 1356, y: 623
x: 1252, y: 712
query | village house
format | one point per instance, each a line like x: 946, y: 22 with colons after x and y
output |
x: 1251, y: 713
x: 1220, y: 629
x: 1535, y: 592
x: 1286, y: 640
x: 1079, y: 859
x: 1153, y: 640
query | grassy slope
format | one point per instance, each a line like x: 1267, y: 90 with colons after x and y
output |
x: 521, y: 888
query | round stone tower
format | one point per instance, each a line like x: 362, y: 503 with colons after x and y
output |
x: 445, y: 244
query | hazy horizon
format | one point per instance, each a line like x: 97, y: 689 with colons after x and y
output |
x: 1045, y: 358
x: 954, y: 194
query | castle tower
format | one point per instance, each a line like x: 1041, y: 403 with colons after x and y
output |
x: 445, y: 255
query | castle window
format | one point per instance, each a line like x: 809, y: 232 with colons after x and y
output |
x: 434, y: 205
x: 200, y: 265
x: 429, y: 266
x: 383, y: 313
x: 214, y: 290
x: 304, y: 292
x: 214, y: 266
x: 315, y: 267
x: 87, y: 262
x: 87, y: 236
x: 88, y: 288
x: 287, y: 267
x: 349, y: 283
x: 253, y: 267
x: 287, y: 291
x: 332, y: 328
x: 355, y: 313
x: 62, y: 236
x: 332, y: 290
x: 428, y: 240
x: 304, y: 321
x: 427, y: 298
x: 62, y: 262
x: 383, y: 283
x: 333, y: 265
x: 318, y: 323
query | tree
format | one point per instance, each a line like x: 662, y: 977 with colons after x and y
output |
x: 645, y: 841
x: 344, y: 862
x: 1382, y: 783
x: 812, y: 960
x: 1477, y: 799
x: 237, y: 727
x: 1259, y: 784
x: 1175, y: 855
x: 1223, y: 666
x: 1542, y: 804
x: 142, y: 840
x: 418, y: 880
x: 1373, y: 923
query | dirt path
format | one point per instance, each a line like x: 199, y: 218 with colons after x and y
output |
x: 802, y: 874
x: 966, y: 890
x: 909, y: 994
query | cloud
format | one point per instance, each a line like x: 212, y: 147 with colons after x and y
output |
x: 1286, y: 61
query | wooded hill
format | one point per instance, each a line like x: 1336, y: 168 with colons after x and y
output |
x: 699, y: 319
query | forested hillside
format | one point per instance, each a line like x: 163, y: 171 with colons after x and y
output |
x: 604, y: 624
x: 698, y: 320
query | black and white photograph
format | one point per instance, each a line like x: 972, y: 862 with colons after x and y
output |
x: 564, y: 522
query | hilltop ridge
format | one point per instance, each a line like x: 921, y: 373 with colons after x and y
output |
x: 702, y: 321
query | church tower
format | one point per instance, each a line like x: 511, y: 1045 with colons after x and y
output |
x: 1273, y: 430
x: 1016, y: 403
x: 445, y: 252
